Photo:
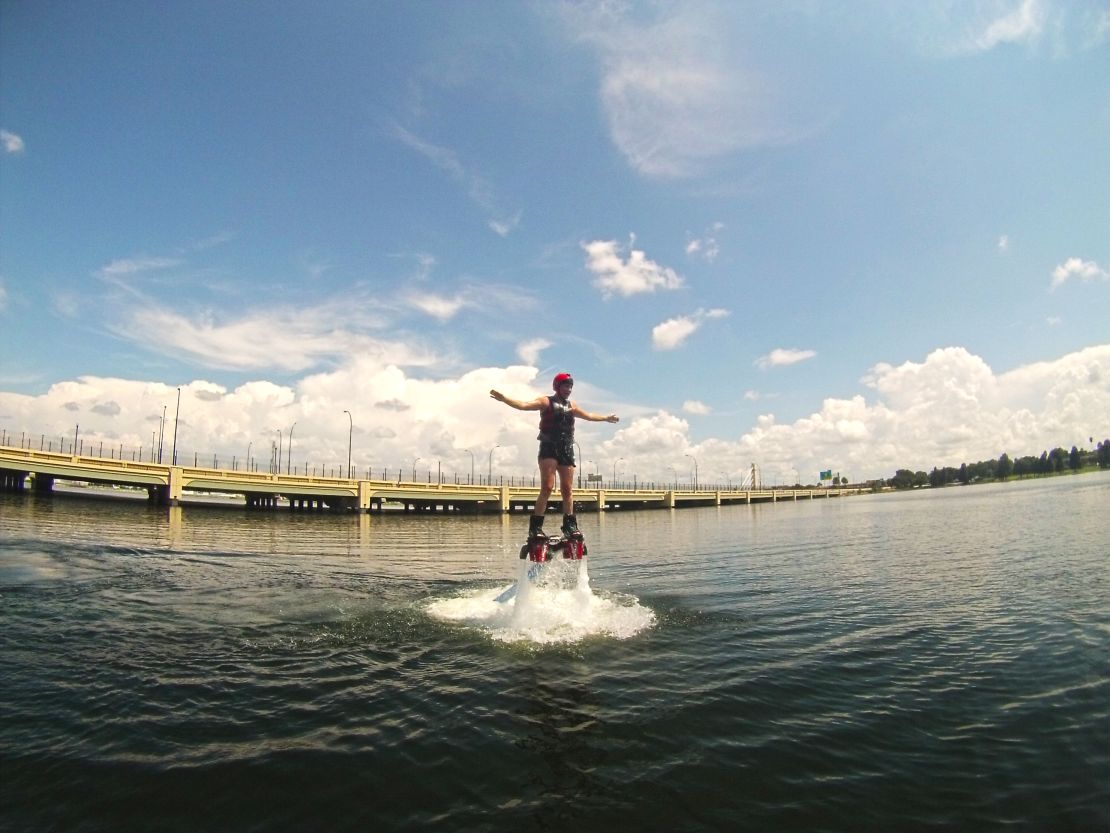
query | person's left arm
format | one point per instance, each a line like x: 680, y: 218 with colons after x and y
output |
x: 586, y: 415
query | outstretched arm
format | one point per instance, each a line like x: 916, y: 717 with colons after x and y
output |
x: 537, y: 404
x: 586, y: 415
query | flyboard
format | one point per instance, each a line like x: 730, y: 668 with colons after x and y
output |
x: 540, y: 550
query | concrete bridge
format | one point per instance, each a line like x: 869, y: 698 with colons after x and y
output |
x: 165, y: 485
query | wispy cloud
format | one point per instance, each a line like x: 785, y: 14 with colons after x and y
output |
x: 3, y: 296
x: 617, y: 276
x: 1099, y: 28
x: 783, y: 357
x: 706, y: 246
x: 672, y: 333
x: 125, y: 267
x: 425, y: 264
x: 696, y: 407
x: 1074, y: 267
x: 1024, y: 22
x: 484, y: 297
x: 12, y: 143
x: 529, y: 351
x: 439, y: 307
x: 447, y: 160
x: 503, y: 227
x: 280, y: 338
x: 1004, y: 243
x: 675, y: 95
x: 212, y: 242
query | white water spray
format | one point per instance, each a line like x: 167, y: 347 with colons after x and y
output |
x: 550, y: 603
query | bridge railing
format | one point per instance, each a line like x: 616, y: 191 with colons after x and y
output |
x: 114, y: 450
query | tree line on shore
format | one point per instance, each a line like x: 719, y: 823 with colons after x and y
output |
x: 1050, y: 462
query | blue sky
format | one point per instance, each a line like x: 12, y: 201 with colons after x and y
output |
x: 808, y: 235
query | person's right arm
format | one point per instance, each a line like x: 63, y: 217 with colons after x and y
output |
x: 537, y: 404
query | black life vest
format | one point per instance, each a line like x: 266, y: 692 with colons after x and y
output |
x: 557, y: 420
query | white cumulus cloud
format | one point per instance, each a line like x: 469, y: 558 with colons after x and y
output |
x: 618, y: 276
x: 947, y: 409
x: 673, y: 332
x: 694, y: 406
x: 1074, y: 267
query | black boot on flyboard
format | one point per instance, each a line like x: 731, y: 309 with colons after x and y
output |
x: 538, y: 548
x: 573, y: 544
x: 541, y: 548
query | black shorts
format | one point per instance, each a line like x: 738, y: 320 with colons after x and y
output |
x: 562, y: 452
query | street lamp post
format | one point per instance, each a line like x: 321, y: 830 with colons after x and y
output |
x: 249, y: 454
x: 414, y: 462
x: 489, y: 473
x: 695, y: 459
x: 619, y: 460
x: 675, y: 471
x: 471, y: 453
x: 176, y: 414
x: 289, y: 451
x: 350, y: 436
x: 161, y: 433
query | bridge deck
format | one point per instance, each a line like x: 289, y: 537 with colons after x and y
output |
x: 166, y: 484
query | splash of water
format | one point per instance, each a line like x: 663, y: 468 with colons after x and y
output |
x: 552, y: 603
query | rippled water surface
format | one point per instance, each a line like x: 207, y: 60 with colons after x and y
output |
x: 921, y: 661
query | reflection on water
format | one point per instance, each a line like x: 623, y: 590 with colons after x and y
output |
x: 914, y: 661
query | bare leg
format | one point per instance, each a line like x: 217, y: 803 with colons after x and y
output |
x: 566, y: 486
x: 547, y: 485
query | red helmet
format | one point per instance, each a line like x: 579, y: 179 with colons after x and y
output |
x: 560, y: 378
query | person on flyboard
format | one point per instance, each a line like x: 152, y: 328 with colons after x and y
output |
x: 557, y: 415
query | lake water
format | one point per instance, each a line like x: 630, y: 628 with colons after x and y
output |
x: 935, y: 660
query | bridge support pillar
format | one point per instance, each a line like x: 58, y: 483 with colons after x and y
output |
x: 504, y: 499
x: 44, y: 484
x: 716, y: 498
x: 669, y: 500
x: 601, y: 500
x: 173, y: 492
x: 364, y: 495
